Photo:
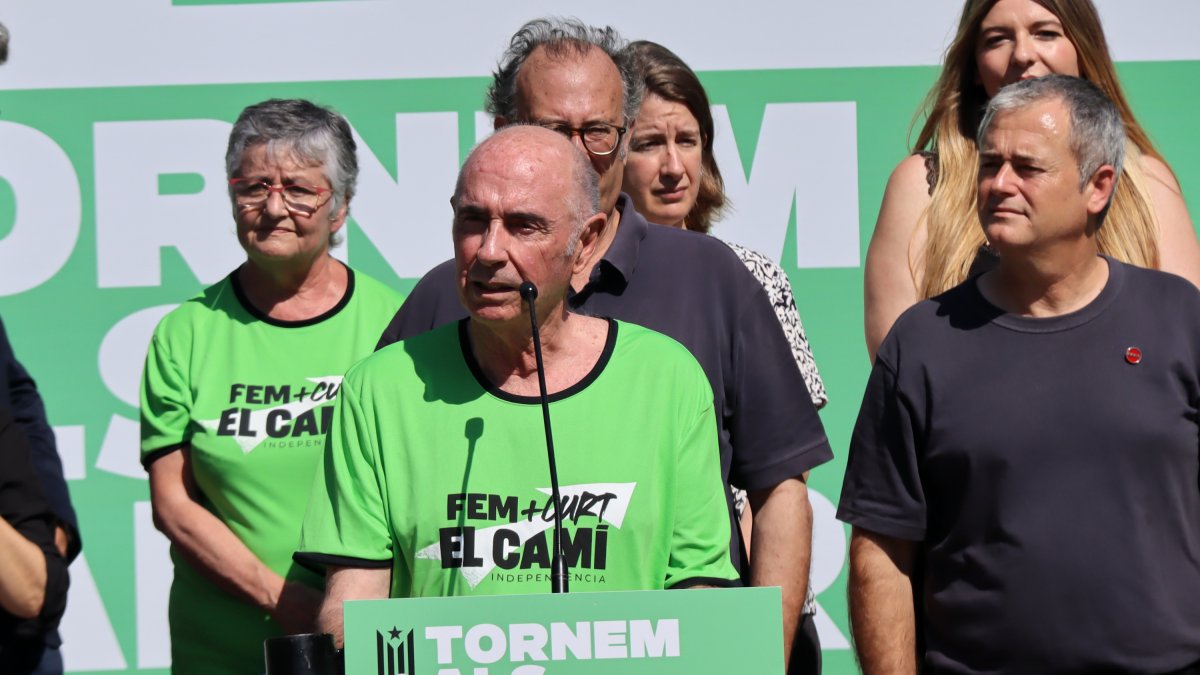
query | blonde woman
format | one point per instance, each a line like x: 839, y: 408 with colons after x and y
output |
x: 928, y: 239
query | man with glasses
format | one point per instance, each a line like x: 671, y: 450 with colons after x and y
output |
x: 573, y: 79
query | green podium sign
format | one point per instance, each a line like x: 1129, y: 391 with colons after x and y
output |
x: 661, y: 632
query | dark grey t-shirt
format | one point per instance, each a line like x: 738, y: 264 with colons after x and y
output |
x: 1052, y: 483
x: 693, y: 288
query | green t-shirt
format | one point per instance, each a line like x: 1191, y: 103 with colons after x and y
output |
x: 252, y: 397
x: 440, y: 476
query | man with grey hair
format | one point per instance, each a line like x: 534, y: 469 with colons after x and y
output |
x: 575, y: 79
x: 1022, y: 477
x: 430, y: 430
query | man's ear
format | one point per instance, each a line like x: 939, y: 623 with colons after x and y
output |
x: 588, y: 238
x: 1099, y: 189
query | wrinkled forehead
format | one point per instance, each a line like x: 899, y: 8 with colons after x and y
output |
x: 570, y: 83
x: 1043, y: 125
x: 518, y: 161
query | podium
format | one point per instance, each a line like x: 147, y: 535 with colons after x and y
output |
x: 720, y: 630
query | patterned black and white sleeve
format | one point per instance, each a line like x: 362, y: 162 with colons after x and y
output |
x: 779, y: 289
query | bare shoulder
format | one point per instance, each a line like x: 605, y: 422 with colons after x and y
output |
x: 893, y: 256
x: 907, y: 188
x: 899, y: 230
x: 1179, y: 250
x: 911, y: 173
x: 1158, y: 172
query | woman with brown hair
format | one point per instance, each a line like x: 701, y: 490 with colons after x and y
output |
x: 928, y: 239
x: 672, y: 176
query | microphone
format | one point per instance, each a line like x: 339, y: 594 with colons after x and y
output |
x: 558, y: 565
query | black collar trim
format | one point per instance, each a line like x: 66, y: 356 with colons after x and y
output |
x: 253, y: 311
x: 464, y: 341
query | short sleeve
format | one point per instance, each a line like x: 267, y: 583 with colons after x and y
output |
x: 166, y: 400
x: 882, y: 490
x: 700, y: 537
x: 346, y: 523
x: 773, y: 426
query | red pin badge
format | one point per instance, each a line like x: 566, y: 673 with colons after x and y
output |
x: 1133, y: 355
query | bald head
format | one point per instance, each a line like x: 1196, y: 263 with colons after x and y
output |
x: 526, y: 208
x: 542, y: 156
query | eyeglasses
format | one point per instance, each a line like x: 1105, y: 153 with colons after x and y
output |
x: 599, y: 138
x: 252, y: 193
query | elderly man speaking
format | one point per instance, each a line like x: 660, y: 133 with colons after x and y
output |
x: 1031, y: 437
x: 436, y: 479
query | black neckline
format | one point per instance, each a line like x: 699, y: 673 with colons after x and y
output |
x: 1053, y: 324
x: 464, y: 342
x: 253, y: 311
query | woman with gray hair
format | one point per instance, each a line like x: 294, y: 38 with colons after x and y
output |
x: 239, y: 385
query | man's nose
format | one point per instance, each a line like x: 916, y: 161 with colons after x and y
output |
x: 576, y: 137
x: 493, y: 248
x: 1005, y: 179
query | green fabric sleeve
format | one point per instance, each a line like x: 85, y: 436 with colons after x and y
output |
x: 347, y: 516
x: 700, y: 538
x: 166, y: 399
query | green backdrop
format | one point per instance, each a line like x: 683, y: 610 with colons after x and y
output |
x: 59, y: 327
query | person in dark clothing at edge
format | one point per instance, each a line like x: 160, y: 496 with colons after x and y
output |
x: 19, y: 396
x: 573, y: 79
x: 33, y: 574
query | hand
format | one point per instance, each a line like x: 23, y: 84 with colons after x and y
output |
x: 297, y: 607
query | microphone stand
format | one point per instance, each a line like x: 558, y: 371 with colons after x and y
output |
x: 558, y: 565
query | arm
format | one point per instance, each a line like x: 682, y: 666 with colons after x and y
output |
x: 33, y: 576
x: 22, y: 573
x: 882, y: 617
x: 217, y: 553
x: 789, y: 318
x: 349, y: 583
x: 1179, y: 252
x: 30, y: 414
x: 894, y: 253
x: 782, y: 534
